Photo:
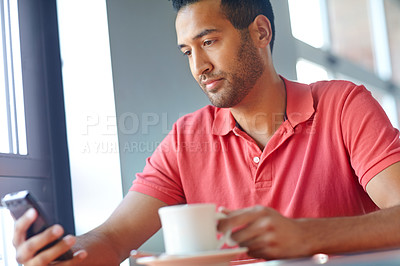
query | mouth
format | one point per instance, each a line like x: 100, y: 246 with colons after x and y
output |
x: 211, y: 84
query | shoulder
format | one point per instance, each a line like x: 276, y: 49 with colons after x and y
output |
x: 336, y: 88
x: 339, y: 93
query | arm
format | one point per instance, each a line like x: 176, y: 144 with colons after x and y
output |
x: 269, y: 235
x: 130, y: 225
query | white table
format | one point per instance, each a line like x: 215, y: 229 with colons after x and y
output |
x: 376, y: 258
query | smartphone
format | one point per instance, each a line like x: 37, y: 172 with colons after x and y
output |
x: 18, y: 203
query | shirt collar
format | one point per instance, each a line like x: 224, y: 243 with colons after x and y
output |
x: 223, y: 122
x: 299, y: 108
x: 299, y: 102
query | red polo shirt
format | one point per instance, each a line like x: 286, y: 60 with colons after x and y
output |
x: 335, y: 140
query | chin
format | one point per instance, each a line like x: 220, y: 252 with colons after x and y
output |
x: 222, y: 105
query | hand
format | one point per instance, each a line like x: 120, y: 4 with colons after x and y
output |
x: 27, y: 248
x: 266, y: 233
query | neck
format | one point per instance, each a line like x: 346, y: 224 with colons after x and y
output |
x: 262, y: 111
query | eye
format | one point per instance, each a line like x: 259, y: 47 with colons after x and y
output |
x: 208, y: 42
x: 187, y: 53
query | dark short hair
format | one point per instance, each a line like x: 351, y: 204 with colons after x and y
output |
x: 241, y: 13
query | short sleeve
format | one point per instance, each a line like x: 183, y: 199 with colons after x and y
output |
x: 160, y: 177
x: 372, y: 142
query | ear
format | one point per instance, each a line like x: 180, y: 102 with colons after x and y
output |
x: 261, y: 31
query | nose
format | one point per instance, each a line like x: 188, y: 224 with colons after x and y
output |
x: 201, y: 63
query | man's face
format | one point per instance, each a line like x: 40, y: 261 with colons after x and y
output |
x: 223, y: 60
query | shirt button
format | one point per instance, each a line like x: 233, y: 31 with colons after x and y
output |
x: 256, y: 159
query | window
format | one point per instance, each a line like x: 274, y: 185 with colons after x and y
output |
x: 392, y: 8
x: 7, y: 251
x: 351, y: 35
x: 308, y: 72
x: 12, y: 111
x: 357, y: 39
x: 305, y: 20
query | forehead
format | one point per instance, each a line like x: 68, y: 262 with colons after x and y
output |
x: 196, y: 17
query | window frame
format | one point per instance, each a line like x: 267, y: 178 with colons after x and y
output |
x: 45, y: 170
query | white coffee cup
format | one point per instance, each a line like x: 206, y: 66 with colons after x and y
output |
x: 191, y: 228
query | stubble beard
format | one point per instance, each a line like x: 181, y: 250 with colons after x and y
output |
x: 239, y: 81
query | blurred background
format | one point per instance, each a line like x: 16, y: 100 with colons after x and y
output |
x: 89, y: 88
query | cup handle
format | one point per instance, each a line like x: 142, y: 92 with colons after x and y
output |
x: 226, y: 238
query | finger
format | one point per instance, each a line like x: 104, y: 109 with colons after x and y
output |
x: 242, y: 217
x: 78, y: 257
x: 30, y: 247
x: 267, y: 253
x: 262, y: 241
x: 22, y: 225
x: 224, y: 210
x: 263, y: 246
x: 51, y: 254
x: 271, y: 252
x: 140, y: 254
x: 258, y: 227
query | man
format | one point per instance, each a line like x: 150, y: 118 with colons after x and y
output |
x: 301, y: 169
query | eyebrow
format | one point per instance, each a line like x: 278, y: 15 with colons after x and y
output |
x: 200, y: 35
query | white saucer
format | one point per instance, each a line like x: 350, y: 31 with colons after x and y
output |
x: 215, y: 258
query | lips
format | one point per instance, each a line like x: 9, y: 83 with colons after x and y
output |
x: 211, y: 84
